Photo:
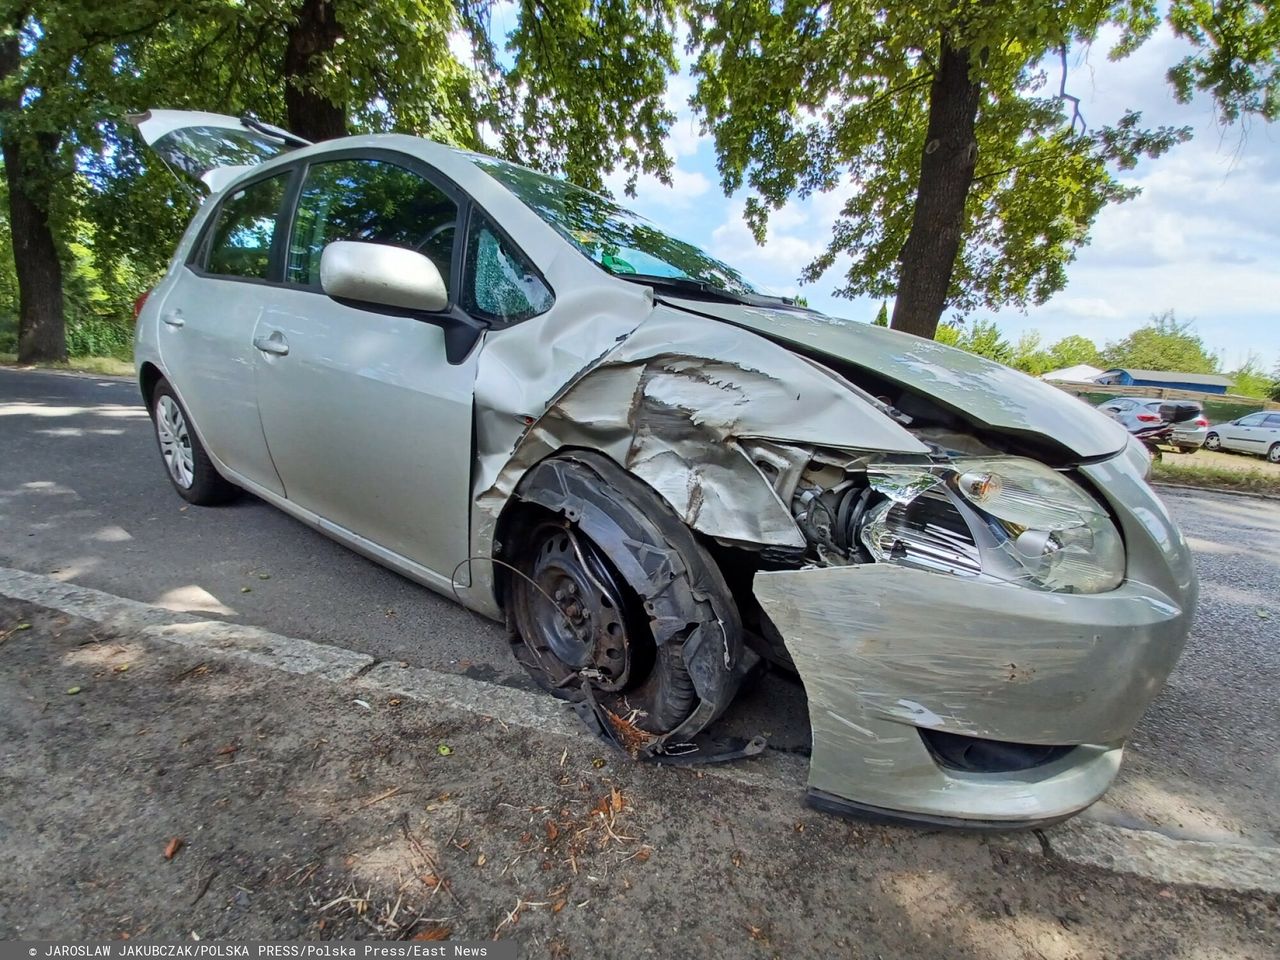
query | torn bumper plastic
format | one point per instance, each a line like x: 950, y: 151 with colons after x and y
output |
x: 887, y: 652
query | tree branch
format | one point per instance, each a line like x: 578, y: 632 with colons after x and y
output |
x: 1076, y: 115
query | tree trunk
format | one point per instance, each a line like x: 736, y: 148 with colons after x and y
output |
x: 42, y: 334
x: 315, y: 33
x: 946, y: 173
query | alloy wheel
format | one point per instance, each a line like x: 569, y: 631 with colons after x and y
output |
x: 1212, y: 442
x: 175, y: 442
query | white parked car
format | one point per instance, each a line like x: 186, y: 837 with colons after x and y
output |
x: 1257, y: 433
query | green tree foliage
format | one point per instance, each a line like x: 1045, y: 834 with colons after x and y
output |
x: 1251, y: 379
x: 951, y: 334
x: 984, y: 338
x: 976, y: 179
x: 571, y: 86
x: 1073, y: 350
x: 1166, y: 343
x: 1030, y: 356
x: 882, y: 316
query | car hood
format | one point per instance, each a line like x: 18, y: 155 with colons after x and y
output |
x: 984, y: 392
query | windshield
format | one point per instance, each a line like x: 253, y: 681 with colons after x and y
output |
x: 620, y: 241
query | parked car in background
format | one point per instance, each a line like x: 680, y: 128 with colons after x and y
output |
x: 1257, y: 433
x: 517, y: 393
x: 1140, y: 414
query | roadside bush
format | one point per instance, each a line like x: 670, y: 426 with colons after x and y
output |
x: 96, y: 336
x: 8, y: 334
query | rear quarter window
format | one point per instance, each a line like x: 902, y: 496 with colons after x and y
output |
x: 240, y: 241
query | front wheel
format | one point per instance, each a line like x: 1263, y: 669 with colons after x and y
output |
x: 610, y: 589
x: 1213, y: 442
x: 190, y: 470
x: 578, y: 619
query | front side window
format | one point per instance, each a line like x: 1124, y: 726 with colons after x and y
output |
x: 370, y: 201
x: 240, y: 245
x: 500, y: 284
x: 1253, y: 420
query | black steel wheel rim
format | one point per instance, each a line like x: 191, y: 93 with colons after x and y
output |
x: 575, y: 609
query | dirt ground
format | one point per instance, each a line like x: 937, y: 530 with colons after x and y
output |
x: 147, y: 793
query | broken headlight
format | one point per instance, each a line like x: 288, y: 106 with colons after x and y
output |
x: 1005, y: 518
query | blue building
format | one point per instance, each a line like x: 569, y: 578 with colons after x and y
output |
x: 1170, y: 380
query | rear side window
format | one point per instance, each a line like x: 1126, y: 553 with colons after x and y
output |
x: 195, y: 150
x: 500, y: 284
x: 370, y: 201
x: 1273, y: 420
x: 240, y: 245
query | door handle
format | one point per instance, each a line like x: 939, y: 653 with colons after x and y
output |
x: 274, y: 344
x: 173, y: 318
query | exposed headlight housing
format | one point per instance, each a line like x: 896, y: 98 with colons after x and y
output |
x: 1007, y: 519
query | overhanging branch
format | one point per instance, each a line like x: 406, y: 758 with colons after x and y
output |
x: 1076, y: 115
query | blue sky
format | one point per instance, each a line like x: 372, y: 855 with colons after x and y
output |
x: 1202, y: 239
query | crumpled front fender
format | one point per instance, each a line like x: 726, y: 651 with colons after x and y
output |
x: 674, y: 403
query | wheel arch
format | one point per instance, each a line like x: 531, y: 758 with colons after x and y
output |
x: 655, y: 551
x: 149, y: 375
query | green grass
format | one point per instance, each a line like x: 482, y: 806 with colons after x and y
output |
x: 1214, y: 477
x: 101, y: 366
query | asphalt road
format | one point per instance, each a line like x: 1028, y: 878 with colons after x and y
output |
x: 83, y: 497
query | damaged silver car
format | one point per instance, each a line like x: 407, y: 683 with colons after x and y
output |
x: 517, y: 393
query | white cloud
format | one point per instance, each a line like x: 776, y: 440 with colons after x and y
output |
x: 685, y: 138
x: 653, y: 194
x: 783, y: 253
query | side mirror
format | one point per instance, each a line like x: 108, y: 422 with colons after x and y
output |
x: 383, y: 275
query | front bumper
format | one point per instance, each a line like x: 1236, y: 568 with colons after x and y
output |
x: 885, y: 651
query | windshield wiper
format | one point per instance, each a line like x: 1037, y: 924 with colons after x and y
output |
x: 684, y: 285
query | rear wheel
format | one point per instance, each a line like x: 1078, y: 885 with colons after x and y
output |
x: 1274, y: 453
x: 190, y: 470
x: 1213, y: 442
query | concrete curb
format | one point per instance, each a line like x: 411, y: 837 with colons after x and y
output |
x: 59, y: 372
x: 1237, y: 867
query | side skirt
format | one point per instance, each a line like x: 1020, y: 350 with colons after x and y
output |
x: 458, y: 590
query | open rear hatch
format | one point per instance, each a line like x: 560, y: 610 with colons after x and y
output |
x: 211, y: 148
